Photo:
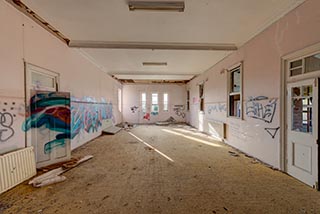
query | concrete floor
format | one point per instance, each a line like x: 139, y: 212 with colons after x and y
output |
x: 156, y: 169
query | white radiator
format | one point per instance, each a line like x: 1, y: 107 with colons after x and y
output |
x: 16, y: 167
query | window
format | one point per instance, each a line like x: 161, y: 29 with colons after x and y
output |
x: 119, y: 99
x: 155, y: 105
x: 165, y: 102
x: 41, y: 79
x: 305, y: 65
x: 201, y: 96
x: 234, y: 92
x: 188, y: 100
x: 144, y: 102
x: 301, y: 105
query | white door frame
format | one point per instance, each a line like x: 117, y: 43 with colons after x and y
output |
x: 50, y: 84
x: 29, y: 68
x: 305, y: 169
x: 285, y: 79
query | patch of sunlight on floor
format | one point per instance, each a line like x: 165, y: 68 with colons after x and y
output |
x: 151, y: 147
x: 194, y: 132
x: 192, y: 138
x: 213, y: 137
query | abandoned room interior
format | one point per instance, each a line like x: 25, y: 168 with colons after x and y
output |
x: 159, y: 106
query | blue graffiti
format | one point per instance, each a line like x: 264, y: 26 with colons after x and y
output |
x: 52, y: 111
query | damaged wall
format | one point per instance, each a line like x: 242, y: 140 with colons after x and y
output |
x: 22, y: 40
x: 255, y: 134
x: 132, y: 111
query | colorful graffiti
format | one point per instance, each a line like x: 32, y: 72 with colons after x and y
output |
x: 146, y: 116
x: 155, y: 109
x: 50, y: 110
x: 87, y: 115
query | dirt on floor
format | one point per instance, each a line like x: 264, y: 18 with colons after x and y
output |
x: 154, y: 169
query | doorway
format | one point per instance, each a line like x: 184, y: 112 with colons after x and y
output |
x: 300, y: 114
x: 302, y: 131
x: 47, y: 124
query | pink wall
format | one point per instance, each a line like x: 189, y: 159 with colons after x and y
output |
x: 132, y: 95
x: 261, y: 58
x: 23, y: 40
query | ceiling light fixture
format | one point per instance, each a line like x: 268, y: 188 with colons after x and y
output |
x: 175, y: 6
x: 153, y: 45
x: 154, y: 64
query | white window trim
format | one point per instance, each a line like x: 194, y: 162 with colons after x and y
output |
x: 229, y: 71
x: 303, y: 54
x: 120, y: 99
x: 29, y: 69
x: 155, y: 92
x: 157, y: 98
x: 145, y: 101
x: 167, y: 101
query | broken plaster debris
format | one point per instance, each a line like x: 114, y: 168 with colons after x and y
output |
x: 167, y: 122
x: 53, y: 176
x: 127, y: 126
x: 233, y: 154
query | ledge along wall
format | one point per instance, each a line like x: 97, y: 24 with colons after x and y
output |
x: 132, y: 111
x: 93, y: 93
x: 261, y: 58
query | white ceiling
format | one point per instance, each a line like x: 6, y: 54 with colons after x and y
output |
x: 204, y: 21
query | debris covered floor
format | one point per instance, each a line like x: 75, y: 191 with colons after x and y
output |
x: 164, y: 170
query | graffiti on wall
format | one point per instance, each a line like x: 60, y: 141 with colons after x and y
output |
x: 261, y: 111
x: 216, y: 108
x: 179, y: 110
x: 12, y: 113
x: 272, y: 131
x: 6, y: 130
x: 134, y: 109
x: 87, y: 115
x: 195, y: 100
x: 50, y: 110
x: 155, y: 110
x: 263, y: 108
x: 146, y: 116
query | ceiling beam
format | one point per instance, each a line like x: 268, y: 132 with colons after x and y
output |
x: 153, y: 45
x: 154, y: 76
x: 19, y: 5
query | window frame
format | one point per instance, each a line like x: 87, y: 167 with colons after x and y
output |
x: 303, y: 74
x: 231, y: 93
x: 120, y: 99
x: 201, y: 98
x: 30, y: 69
x: 152, y: 102
x: 165, y: 104
x: 143, y: 105
x: 188, y: 100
